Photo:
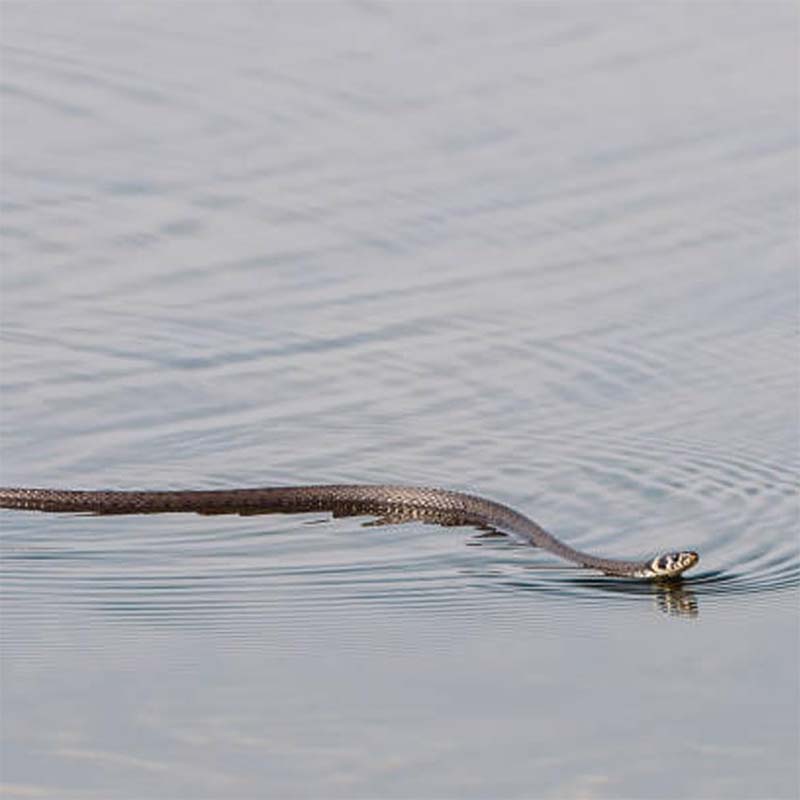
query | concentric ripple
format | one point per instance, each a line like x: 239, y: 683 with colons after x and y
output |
x: 220, y: 571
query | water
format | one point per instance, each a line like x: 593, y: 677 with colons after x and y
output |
x: 543, y: 253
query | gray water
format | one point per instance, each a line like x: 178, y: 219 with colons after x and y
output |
x: 543, y: 253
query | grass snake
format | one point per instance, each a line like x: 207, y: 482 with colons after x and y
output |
x: 390, y: 504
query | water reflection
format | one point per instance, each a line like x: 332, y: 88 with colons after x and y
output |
x: 675, y: 599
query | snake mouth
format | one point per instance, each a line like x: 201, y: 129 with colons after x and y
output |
x: 670, y: 565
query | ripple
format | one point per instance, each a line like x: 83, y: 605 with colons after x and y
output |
x: 184, y: 570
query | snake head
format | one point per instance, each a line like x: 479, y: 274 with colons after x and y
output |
x: 670, y: 565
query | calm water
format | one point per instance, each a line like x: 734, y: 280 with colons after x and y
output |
x: 545, y: 253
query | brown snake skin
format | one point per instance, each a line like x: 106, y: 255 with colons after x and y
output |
x: 391, y: 504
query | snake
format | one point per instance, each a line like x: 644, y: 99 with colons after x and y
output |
x: 389, y: 504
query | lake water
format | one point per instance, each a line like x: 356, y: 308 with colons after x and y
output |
x: 543, y: 253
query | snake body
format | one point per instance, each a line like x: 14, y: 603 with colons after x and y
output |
x: 389, y: 503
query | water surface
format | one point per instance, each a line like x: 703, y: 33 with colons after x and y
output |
x: 543, y: 253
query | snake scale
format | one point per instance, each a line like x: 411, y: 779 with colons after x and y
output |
x: 390, y: 504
